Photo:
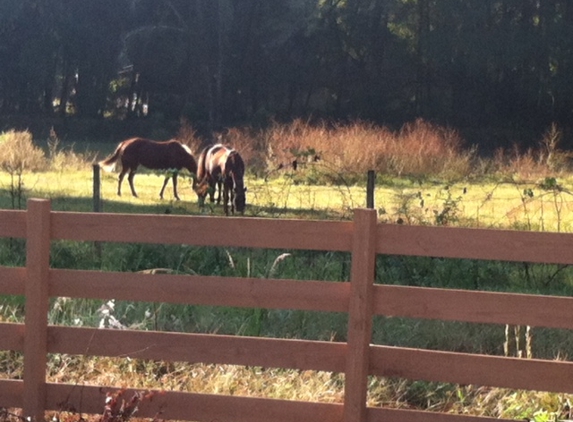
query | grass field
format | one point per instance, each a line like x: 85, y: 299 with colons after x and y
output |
x: 323, y: 190
x: 503, y: 204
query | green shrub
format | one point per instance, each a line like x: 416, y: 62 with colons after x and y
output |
x: 18, y: 154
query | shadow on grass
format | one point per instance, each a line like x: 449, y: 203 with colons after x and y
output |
x: 298, y: 213
x: 165, y: 206
x: 9, y: 202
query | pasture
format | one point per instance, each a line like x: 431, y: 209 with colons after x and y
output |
x: 541, y: 203
x: 544, y: 205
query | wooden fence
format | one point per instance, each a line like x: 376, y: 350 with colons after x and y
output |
x: 363, y: 237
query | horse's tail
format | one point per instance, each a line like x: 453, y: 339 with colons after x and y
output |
x: 110, y: 162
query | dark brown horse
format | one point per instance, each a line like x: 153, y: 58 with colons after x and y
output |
x: 222, y: 168
x: 168, y: 155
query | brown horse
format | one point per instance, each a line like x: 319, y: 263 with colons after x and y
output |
x: 168, y: 155
x: 223, y: 168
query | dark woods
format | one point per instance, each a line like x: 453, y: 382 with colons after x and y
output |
x: 505, y: 65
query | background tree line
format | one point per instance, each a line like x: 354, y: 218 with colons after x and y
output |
x: 502, y: 65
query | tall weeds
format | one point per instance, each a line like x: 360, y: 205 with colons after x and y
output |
x: 546, y: 160
x: 420, y: 149
x: 342, y: 150
x: 18, y: 155
x: 188, y: 136
x: 63, y: 159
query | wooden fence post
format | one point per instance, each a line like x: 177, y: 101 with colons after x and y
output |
x: 97, y: 204
x: 36, y: 308
x: 370, y: 189
x: 360, y: 315
x: 97, y: 188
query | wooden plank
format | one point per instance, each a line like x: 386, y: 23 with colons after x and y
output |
x: 194, y: 348
x: 379, y: 414
x: 461, y: 368
x: 455, y: 242
x: 202, y: 290
x: 11, y: 393
x: 204, y: 231
x: 11, y: 337
x: 13, y: 223
x: 12, y: 280
x: 360, y: 315
x: 197, y: 407
x: 474, y: 306
x: 36, y: 308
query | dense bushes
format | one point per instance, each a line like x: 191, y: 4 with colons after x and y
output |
x: 335, y: 153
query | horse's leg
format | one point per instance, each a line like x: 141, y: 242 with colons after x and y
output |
x: 174, y: 186
x: 130, y: 179
x: 212, y: 188
x: 226, y: 198
x: 219, y: 188
x: 232, y: 200
x: 163, y: 187
x: 120, y: 180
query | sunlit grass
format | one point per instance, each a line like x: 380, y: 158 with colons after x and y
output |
x: 519, y: 205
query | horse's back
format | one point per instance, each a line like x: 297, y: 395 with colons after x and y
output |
x: 201, y: 163
x: 155, y: 154
x: 214, y: 160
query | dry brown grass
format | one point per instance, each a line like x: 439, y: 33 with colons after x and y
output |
x: 19, y: 154
x: 62, y: 158
x: 145, y: 376
x: 188, y: 136
x: 547, y: 160
x: 246, y: 141
x: 419, y: 148
x: 518, y: 164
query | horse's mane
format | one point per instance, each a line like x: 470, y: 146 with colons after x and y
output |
x: 186, y: 148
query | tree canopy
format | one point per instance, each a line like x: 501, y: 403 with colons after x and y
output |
x: 467, y: 64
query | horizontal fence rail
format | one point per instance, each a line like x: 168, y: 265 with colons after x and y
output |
x: 360, y: 298
x: 202, y: 290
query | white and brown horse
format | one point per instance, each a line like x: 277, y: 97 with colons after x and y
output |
x: 222, y: 168
x: 168, y: 155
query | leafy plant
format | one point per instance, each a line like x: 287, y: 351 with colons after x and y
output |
x: 18, y: 154
x: 450, y: 211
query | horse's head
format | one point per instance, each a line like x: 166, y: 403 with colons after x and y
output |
x: 201, y: 188
x: 240, y: 200
x: 191, y: 164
